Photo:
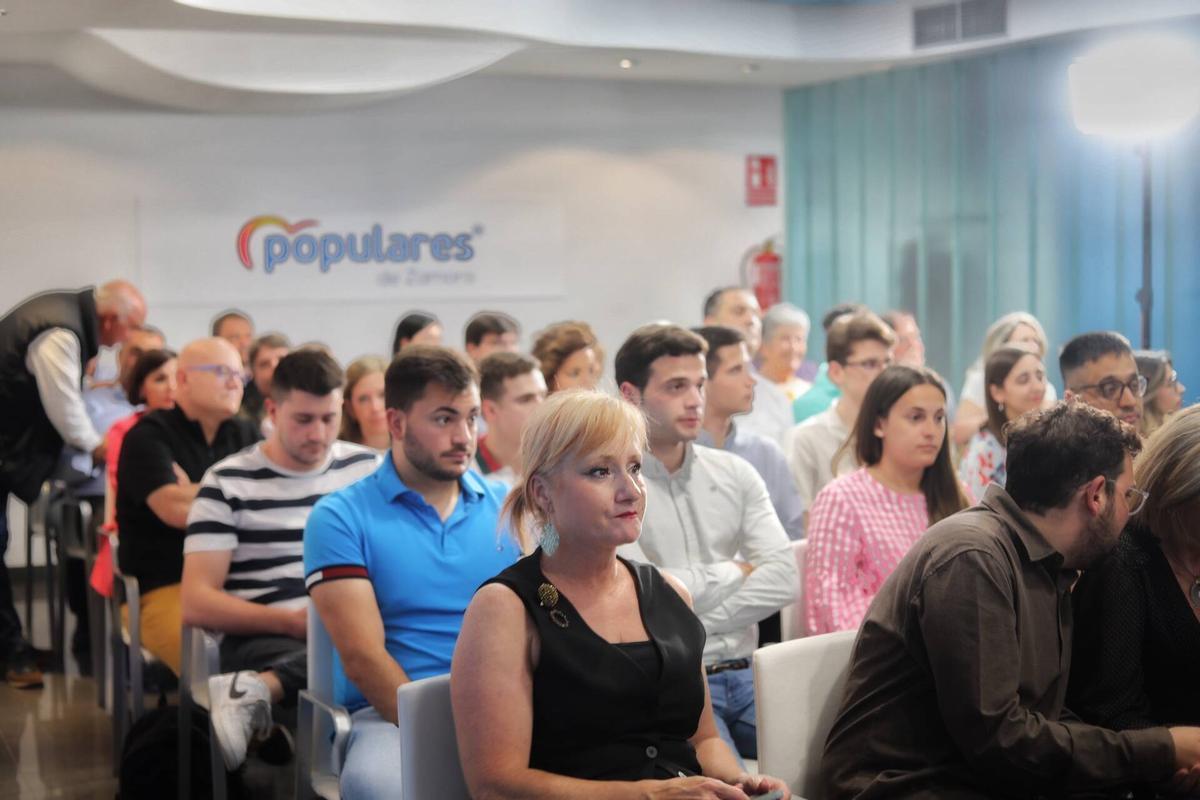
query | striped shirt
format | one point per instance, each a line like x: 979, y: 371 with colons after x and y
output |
x: 257, y: 509
x: 858, y: 530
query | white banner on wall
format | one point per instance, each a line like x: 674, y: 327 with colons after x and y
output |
x: 288, y: 253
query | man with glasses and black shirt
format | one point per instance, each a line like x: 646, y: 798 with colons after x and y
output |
x: 163, y: 458
x: 1098, y: 368
x: 858, y: 347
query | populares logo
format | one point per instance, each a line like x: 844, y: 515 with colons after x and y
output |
x: 331, y: 248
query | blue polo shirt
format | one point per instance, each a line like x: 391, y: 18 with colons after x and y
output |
x: 424, y: 571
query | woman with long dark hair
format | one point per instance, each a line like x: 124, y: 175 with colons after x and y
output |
x: 1015, y: 383
x: 862, y: 524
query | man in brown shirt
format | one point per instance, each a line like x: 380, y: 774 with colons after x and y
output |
x: 959, y: 673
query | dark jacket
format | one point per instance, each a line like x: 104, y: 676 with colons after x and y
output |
x: 29, y: 444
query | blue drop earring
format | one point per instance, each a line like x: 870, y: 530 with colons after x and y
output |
x: 549, y: 539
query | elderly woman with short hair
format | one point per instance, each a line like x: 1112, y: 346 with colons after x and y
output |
x: 784, y: 345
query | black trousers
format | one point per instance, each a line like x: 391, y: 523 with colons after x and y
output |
x: 283, y: 655
x: 11, y: 639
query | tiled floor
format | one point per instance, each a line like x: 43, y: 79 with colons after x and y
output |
x: 56, y: 742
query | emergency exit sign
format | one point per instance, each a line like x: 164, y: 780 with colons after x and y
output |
x: 762, y: 180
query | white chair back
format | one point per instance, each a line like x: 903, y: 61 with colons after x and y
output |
x: 791, y: 618
x: 798, y: 689
x: 429, y: 766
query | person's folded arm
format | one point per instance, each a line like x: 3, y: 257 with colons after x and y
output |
x: 967, y: 618
x: 171, y: 503
x: 708, y: 584
x: 148, y: 473
x: 773, y: 581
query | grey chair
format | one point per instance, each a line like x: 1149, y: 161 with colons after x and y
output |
x: 201, y: 660
x: 126, y: 666
x: 323, y: 727
x: 71, y: 518
x: 38, y: 523
x: 429, y: 765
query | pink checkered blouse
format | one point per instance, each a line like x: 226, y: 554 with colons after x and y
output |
x: 858, y: 530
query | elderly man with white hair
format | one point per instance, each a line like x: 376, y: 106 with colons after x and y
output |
x: 784, y: 344
x: 46, y: 343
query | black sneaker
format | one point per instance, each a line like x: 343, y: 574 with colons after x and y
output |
x: 22, y: 671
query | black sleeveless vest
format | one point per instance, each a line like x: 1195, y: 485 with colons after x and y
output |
x: 29, y: 444
x: 597, y: 713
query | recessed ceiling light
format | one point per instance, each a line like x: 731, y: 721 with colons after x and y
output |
x: 750, y: 69
x: 627, y: 63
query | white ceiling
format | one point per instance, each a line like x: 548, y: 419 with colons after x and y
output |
x: 278, y: 55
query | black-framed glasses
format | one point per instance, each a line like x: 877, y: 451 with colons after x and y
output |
x: 1111, y: 388
x: 1135, y: 498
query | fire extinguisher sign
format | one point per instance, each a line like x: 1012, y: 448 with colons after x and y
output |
x: 762, y: 178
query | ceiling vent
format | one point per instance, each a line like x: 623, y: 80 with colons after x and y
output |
x: 948, y: 23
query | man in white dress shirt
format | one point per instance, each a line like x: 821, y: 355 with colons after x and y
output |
x: 709, y: 520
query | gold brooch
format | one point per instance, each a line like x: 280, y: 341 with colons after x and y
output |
x: 548, y: 598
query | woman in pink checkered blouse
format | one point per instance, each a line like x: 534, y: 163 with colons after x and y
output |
x: 861, y: 525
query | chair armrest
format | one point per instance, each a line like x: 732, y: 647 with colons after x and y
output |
x: 337, y: 726
x: 201, y: 660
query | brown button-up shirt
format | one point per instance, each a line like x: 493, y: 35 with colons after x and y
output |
x: 959, y: 674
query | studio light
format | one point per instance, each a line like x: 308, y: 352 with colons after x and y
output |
x: 1139, y: 90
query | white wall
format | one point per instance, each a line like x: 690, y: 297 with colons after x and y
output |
x: 633, y: 193
x: 627, y: 198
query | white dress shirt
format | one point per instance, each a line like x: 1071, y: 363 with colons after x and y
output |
x: 811, y: 448
x: 712, y: 512
x: 55, y: 361
x: 771, y: 415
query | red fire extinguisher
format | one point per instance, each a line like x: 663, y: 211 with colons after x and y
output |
x: 762, y: 273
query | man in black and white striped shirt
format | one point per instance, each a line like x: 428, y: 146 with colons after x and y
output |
x: 243, y: 573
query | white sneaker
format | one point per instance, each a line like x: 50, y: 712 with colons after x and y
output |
x: 240, y: 704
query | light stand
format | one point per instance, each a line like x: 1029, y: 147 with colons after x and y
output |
x: 1145, y: 295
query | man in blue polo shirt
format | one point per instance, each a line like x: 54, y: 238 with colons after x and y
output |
x: 393, y: 560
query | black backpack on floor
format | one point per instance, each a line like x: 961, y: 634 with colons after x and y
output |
x: 150, y: 757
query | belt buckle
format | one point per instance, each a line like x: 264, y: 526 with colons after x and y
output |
x: 726, y: 665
